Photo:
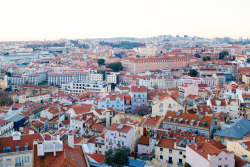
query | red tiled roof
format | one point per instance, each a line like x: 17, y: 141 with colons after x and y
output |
x: 72, y: 157
x: 206, y: 147
x: 144, y: 140
x: 125, y: 128
x: 189, y: 117
x: 222, y: 102
x: 138, y: 89
x: 99, y: 158
x: 99, y: 127
x: 25, y: 139
x: 83, y: 108
x: 166, y: 143
x: 152, y: 121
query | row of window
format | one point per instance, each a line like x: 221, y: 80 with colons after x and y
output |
x: 18, y: 161
x: 17, y: 148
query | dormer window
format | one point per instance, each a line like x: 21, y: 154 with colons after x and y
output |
x: 175, y: 119
x: 26, y: 147
x: 198, y: 123
x: 7, y: 149
x: 192, y: 122
x: 180, y: 120
x: 186, y: 121
x: 17, y: 148
x: 169, y: 118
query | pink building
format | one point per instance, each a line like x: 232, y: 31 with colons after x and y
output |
x: 206, y: 155
x: 137, y: 65
x: 188, y: 89
x: 80, y: 63
x: 112, y: 60
x: 145, y: 145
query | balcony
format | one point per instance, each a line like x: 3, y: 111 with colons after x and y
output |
x: 18, y: 164
x: 180, y: 164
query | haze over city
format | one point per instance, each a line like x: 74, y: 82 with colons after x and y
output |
x: 77, y: 19
x: 115, y: 83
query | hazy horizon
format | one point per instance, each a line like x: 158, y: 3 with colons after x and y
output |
x: 80, y: 19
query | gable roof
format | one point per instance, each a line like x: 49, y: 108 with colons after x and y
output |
x: 204, y: 148
x: 25, y: 139
x: 124, y: 129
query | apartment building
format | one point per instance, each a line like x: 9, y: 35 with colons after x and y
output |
x: 111, y: 78
x: 6, y: 128
x: 55, y: 78
x: 199, y: 124
x: 135, y: 65
x: 221, y: 79
x: 170, y: 152
x: 138, y: 96
x: 164, y: 104
x: 18, y: 79
x: 17, y: 150
x: 37, y: 77
x: 207, y: 155
x: 96, y: 77
x: 188, y: 89
x: 114, y: 101
x: 76, y: 87
x: 119, y: 135
x: 240, y: 148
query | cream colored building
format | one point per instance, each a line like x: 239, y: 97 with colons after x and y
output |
x: 112, y: 78
x: 168, y: 153
x: 38, y: 98
x: 96, y: 77
x: 240, y: 148
x: 3, y: 82
x: 18, y: 150
x: 246, y: 79
x: 165, y: 103
x: 6, y: 128
x: 146, y: 51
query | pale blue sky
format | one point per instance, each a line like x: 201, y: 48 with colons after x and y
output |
x: 55, y: 19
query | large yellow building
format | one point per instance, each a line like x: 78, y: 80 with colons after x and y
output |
x: 164, y: 104
x: 241, y: 148
x: 246, y: 79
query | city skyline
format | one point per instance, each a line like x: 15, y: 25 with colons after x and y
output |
x: 29, y: 20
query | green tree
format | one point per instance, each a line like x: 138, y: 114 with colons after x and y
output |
x: 108, y: 160
x: 187, y: 164
x: 222, y: 54
x: 193, y: 73
x: 8, y: 74
x: 100, y: 61
x: 6, y: 54
x: 117, y: 66
x: 197, y: 55
x: 113, y: 85
x: 206, y: 58
x: 137, y: 56
x: 118, y: 158
x: 5, y: 100
x: 141, y: 110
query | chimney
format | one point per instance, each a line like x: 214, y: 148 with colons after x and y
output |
x: 40, y: 151
x: 58, y: 136
x: 54, y: 148
x: 71, y: 140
